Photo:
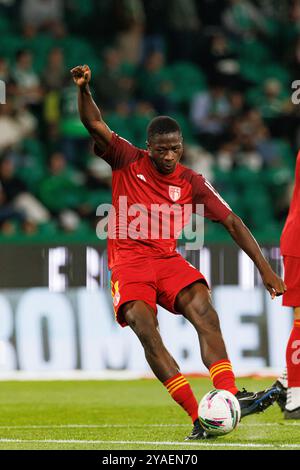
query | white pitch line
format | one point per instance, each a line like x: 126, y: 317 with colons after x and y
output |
x: 146, y: 443
x: 126, y: 426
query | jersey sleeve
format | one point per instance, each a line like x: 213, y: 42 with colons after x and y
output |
x: 215, y: 208
x: 119, y: 153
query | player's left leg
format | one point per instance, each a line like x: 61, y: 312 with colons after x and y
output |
x: 143, y: 321
x: 292, y: 409
x: 194, y: 302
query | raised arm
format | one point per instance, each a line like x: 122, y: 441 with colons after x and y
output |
x: 243, y: 237
x: 90, y: 114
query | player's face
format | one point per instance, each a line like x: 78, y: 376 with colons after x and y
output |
x: 165, y: 151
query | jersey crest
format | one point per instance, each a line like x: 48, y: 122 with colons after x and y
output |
x: 174, y: 193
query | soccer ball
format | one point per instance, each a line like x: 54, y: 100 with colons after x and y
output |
x: 219, y: 412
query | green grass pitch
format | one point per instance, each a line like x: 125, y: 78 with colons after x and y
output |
x: 115, y: 415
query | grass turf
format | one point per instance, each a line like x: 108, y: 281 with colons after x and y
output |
x: 124, y: 415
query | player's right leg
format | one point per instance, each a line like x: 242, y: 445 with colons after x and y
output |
x: 142, y: 320
x: 194, y: 302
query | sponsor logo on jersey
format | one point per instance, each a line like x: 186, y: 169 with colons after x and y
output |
x: 174, y: 193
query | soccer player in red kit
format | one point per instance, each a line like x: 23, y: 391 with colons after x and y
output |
x: 289, y: 382
x: 147, y: 270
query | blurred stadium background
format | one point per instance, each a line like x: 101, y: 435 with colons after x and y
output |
x: 224, y: 70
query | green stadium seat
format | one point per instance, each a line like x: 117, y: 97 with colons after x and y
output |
x: 79, y: 51
x: 5, y: 25
x: 120, y: 125
x: 48, y: 229
x: 189, y: 80
x: 251, y: 71
x: 253, y: 51
x: 286, y: 153
x: 274, y: 70
x: 9, y: 45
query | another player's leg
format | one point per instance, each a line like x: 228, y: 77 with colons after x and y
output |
x: 194, y: 302
x: 282, y: 386
x: 289, y: 383
x: 292, y: 408
x: 142, y: 320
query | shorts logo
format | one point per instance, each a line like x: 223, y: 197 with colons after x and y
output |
x: 174, y: 193
x: 115, y: 293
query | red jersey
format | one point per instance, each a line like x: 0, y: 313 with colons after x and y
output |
x: 290, y: 238
x: 136, y: 180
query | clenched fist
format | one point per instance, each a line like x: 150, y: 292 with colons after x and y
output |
x: 81, y: 75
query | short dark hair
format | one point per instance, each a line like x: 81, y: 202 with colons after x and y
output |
x: 162, y: 125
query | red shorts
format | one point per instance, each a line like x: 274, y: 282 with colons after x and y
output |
x: 291, y: 298
x: 152, y: 280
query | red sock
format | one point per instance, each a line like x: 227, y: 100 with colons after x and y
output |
x: 222, y: 376
x: 293, y: 356
x: 180, y: 390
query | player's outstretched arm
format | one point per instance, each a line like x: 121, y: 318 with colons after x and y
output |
x: 90, y: 114
x: 243, y: 237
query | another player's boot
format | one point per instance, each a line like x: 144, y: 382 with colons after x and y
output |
x: 282, y: 395
x: 292, y: 414
x: 292, y: 409
x: 197, y: 433
x: 256, y: 402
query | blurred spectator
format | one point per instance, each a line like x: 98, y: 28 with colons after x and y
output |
x: 250, y: 123
x: 54, y: 74
x: 74, y: 136
x: 8, y: 215
x: 53, y: 78
x: 209, y: 114
x: 18, y: 196
x: 272, y: 101
x: 184, y: 26
x: 70, y: 195
x: 211, y: 11
x: 225, y: 156
x: 4, y: 70
x: 229, y: 63
x: 120, y: 119
x: 155, y: 83
x: 142, y: 114
x: 5, y: 76
x: 28, y: 83
x: 155, y: 28
x: 243, y: 19
x: 237, y: 104
x: 42, y: 15
x: 293, y: 56
x: 273, y: 9
x: 114, y: 83
x: 14, y: 125
x: 131, y: 18
x: 220, y: 62
x: 62, y: 188
x: 295, y: 12
x: 199, y: 160
x: 248, y: 154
